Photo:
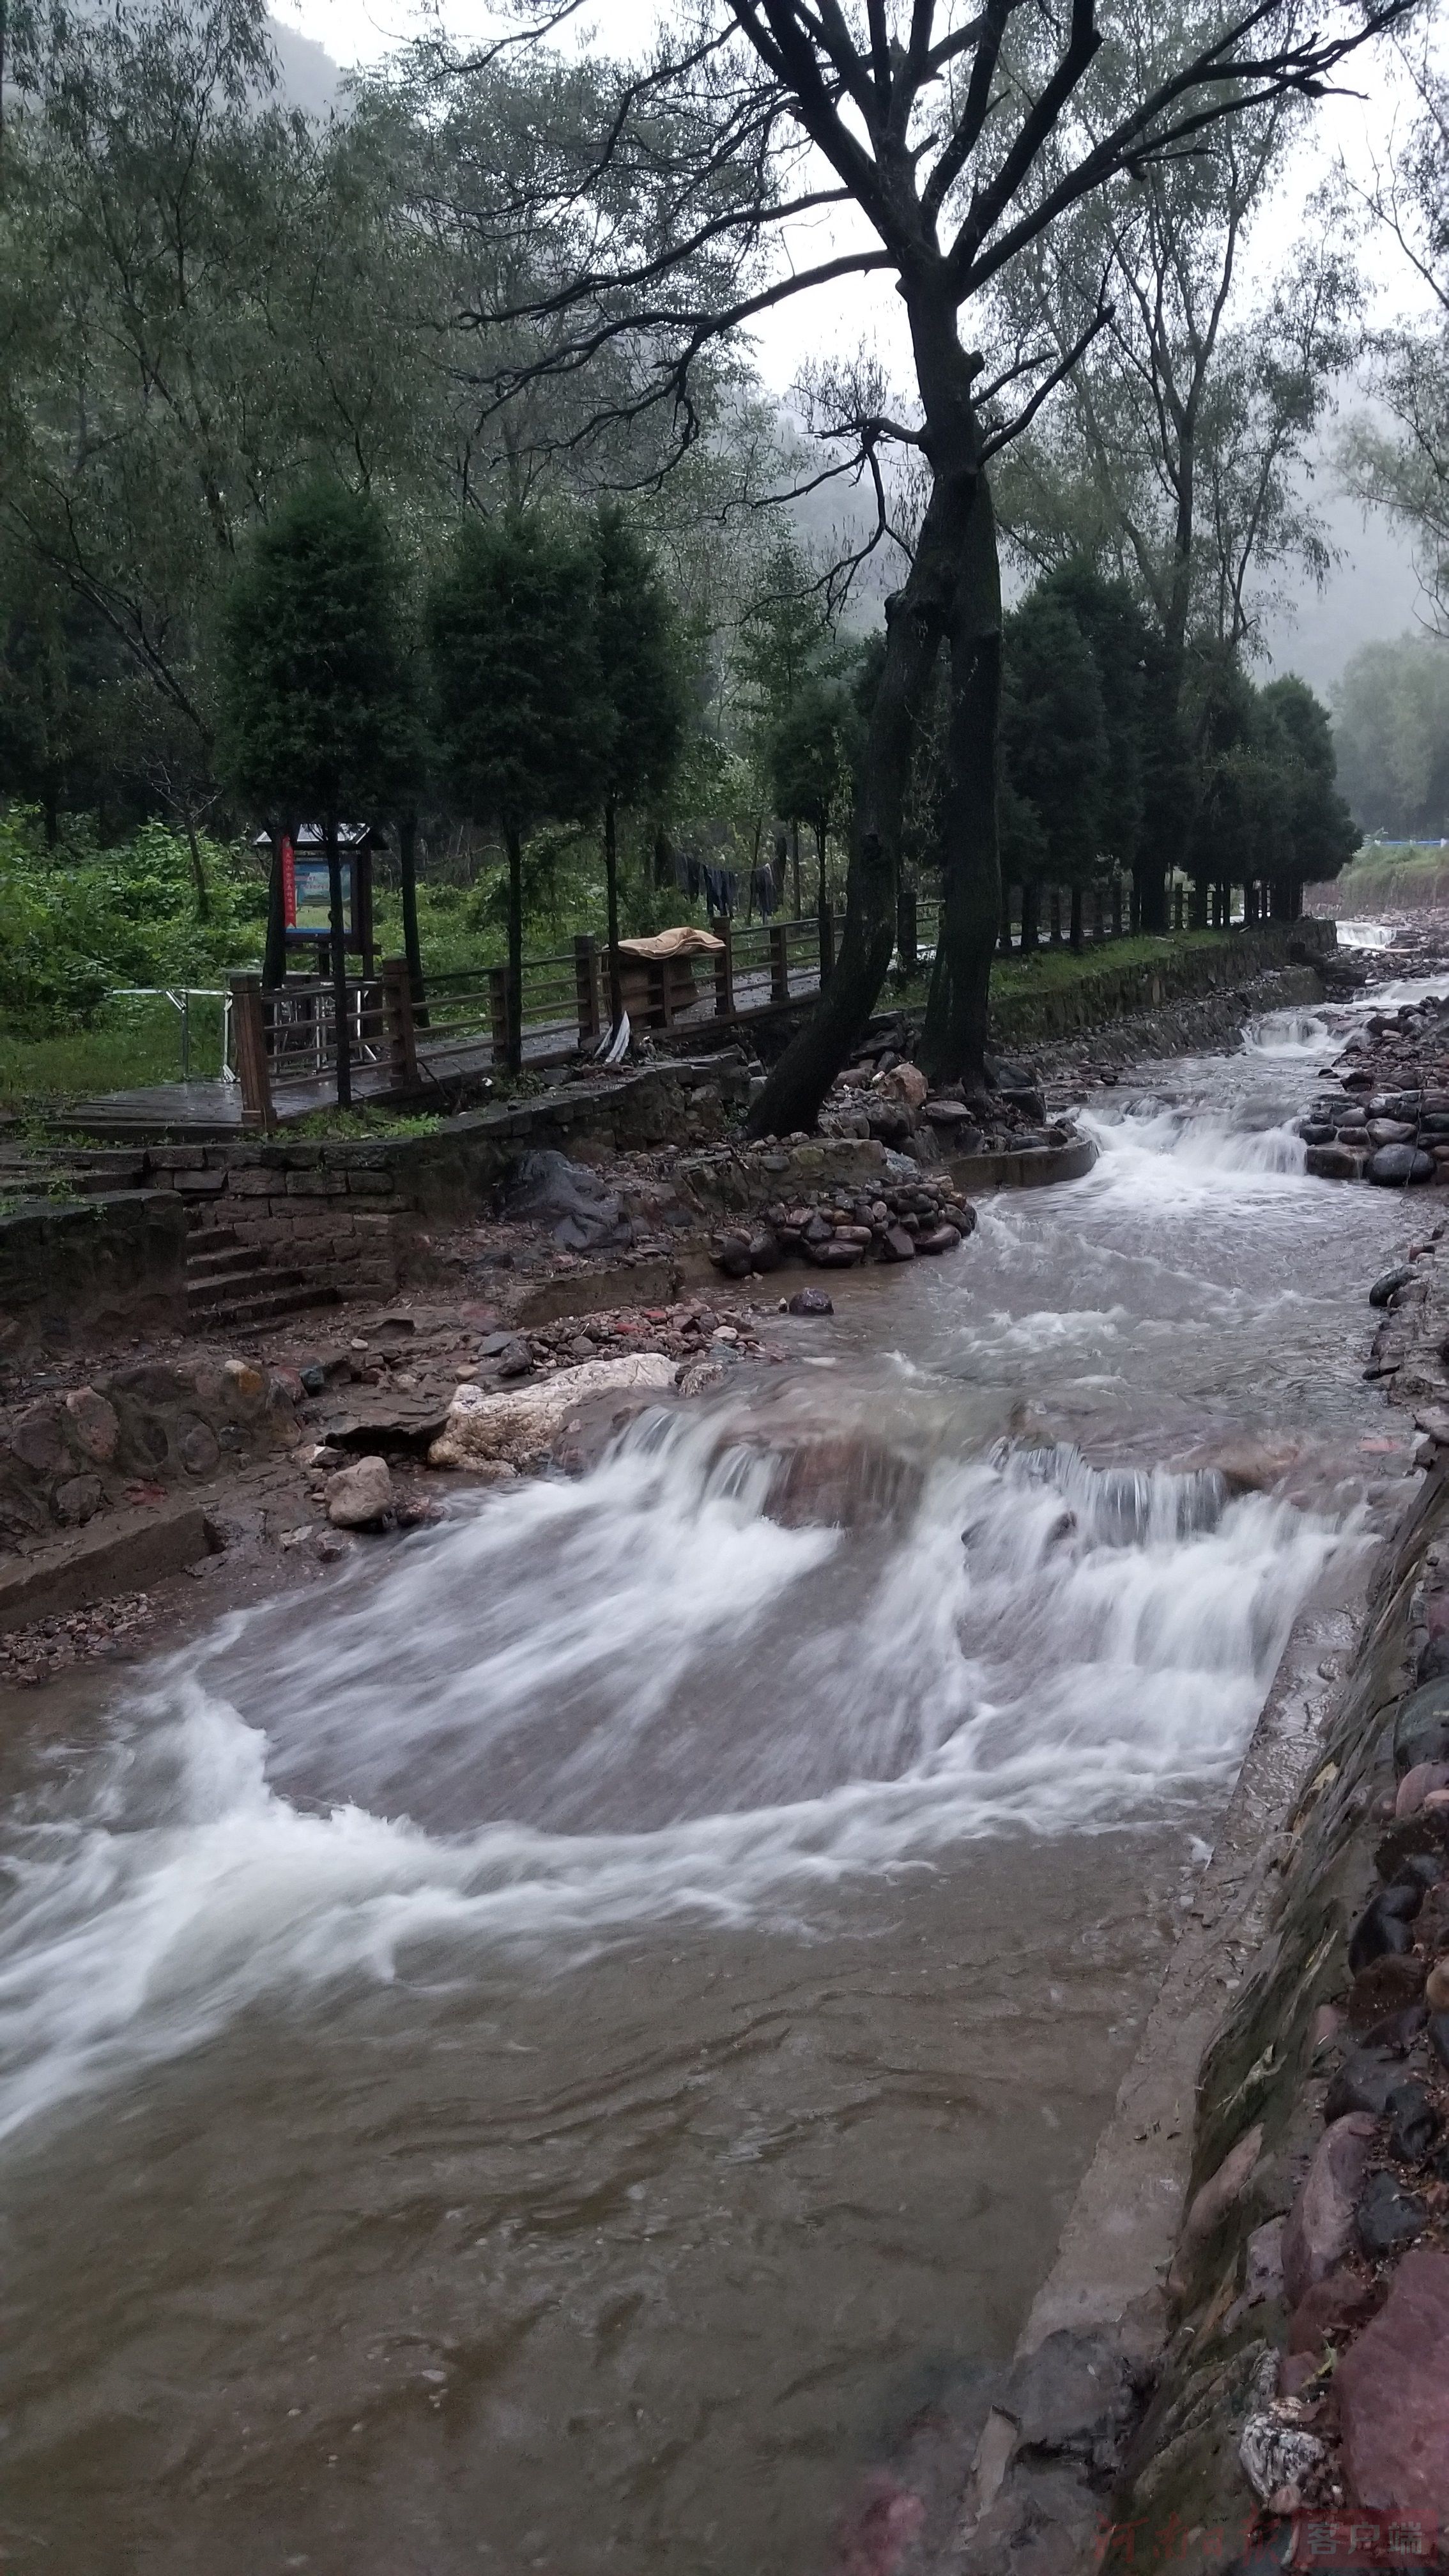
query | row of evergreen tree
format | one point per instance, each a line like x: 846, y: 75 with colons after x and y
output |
x: 541, y: 681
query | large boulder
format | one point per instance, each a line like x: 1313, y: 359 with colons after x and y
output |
x: 1319, y: 2231
x: 1393, y: 1166
x: 360, y: 1496
x: 904, y: 1082
x: 1389, y: 2390
x: 516, y: 1425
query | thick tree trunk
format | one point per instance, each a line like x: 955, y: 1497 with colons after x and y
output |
x: 407, y: 861
x: 1030, y: 917
x: 822, y: 912
x: 930, y: 606
x: 1004, y: 942
x: 338, y: 930
x: 795, y: 861
x: 953, y: 1043
x: 611, y: 901
x: 1077, y: 934
x: 514, y: 1051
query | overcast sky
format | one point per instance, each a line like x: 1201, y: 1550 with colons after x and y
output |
x: 1372, y: 593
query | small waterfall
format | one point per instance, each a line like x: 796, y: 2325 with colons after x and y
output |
x: 586, y: 1706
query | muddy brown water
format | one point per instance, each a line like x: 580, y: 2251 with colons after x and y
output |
x: 547, y: 2051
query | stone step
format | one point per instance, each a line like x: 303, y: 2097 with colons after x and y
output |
x: 204, y: 1240
x: 228, y: 1257
x: 240, y: 1275
x: 269, y: 1307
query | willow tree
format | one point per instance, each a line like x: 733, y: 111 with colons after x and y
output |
x: 931, y: 120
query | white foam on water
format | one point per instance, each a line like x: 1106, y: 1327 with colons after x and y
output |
x: 1169, y: 1157
x: 1094, y: 1654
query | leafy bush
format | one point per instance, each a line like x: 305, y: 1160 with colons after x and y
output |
x: 78, y: 920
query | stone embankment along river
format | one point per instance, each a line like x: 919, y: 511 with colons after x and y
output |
x: 1279, y: 2392
x: 1383, y: 1116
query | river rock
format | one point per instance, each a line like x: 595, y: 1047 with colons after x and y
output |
x: 1319, y: 2229
x: 1421, y: 1729
x: 1389, y: 1285
x: 37, y: 1442
x: 77, y: 1499
x: 1333, y: 1163
x: 1413, y: 2121
x: 1393, y: 1166
x: 897, y: 1245
x: 1382, y: 1930
x: 1363, y: 2083
x: 520, y: 1423
x: 1390, y: 1131
x: 1389, y: 2217
x: 93, y: 1425
x: 1382, y: 1994
x: 811, y: 1301
x: 1415, y: 1786
x: 1277, y: 2458
x: 359, y: 1496
x: 1211, y: 2204
x: 243, y: 1390
x: 1332, y: 2306
x: 1389, y: 2392
x: 939, y: 1238
x: 509, y: 1353
x: 904, y: 1084
x: 200, y: 1450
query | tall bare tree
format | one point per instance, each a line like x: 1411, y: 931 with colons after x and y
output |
x: 949, y: 140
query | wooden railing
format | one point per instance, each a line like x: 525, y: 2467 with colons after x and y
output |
x: 286, y: 1043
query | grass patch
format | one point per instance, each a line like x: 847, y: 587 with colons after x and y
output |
x: 1051, y: 970
x: 128, y: 1045
x: 1392, y: 873
x: 361, y: 1123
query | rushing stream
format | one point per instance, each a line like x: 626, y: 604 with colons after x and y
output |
x: 544, y: 2055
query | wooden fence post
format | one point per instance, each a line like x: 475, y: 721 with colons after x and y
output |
x: 498, y: 1011
x: 253, y: 1071
x: 724, y: 968
x: 586, y: 979
x: 397, y: 1019
x: 779, y: 962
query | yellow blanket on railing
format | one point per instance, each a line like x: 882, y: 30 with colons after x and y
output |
x: 673, y: 943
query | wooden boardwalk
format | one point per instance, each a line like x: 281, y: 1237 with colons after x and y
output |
x: 449, y: 1058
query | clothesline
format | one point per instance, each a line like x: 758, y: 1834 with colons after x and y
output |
x: 719, y: 888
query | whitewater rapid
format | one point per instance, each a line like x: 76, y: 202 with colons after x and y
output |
x: 585, y: 1706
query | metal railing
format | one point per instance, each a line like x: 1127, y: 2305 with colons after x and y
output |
x: 181, y: 997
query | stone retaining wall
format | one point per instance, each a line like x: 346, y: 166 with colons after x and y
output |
x: 1200, y: 970
x: 353, y: 1214
x: 93, y: 1270
x: 1267, y: 2085
x: 135, y: 1433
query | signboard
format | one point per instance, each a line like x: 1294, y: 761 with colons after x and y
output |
x: 289, y: 883
x: 310, y: 911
